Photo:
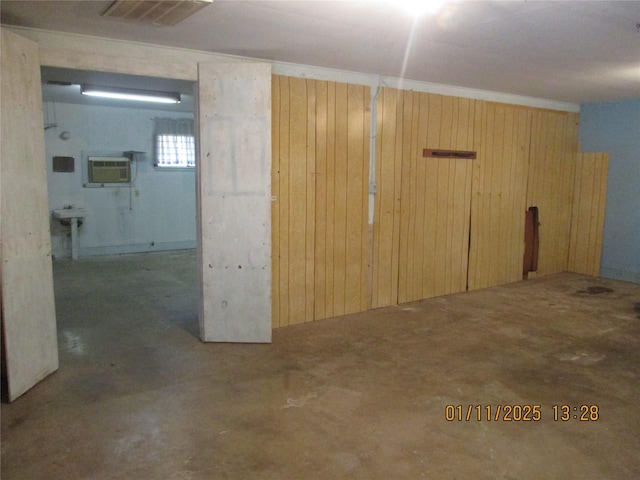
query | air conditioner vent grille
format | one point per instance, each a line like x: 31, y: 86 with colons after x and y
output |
x: 156, y: 12
x: 109, y: 170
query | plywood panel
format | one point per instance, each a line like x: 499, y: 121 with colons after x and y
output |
x: 28, y: 310
x: 499, y: 194
x: 323, y: 153
x: 551, y: 184
x: 587, y: 220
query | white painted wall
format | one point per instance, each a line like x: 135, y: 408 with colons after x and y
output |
x: 157, y: 213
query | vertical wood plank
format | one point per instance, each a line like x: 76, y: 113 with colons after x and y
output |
x: 431, y: 197
x: 340, y: 198
x: 366, y: 236
x: 310, y: 182
x: 321, y: 201
x: 284, y: 162
x: 330, y: 209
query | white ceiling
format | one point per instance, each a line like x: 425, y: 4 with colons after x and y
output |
x: 571, y: 51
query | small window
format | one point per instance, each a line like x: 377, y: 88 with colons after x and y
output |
x: 175, y: 145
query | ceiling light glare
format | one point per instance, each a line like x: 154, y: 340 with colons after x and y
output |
x: 130, y: 94
x: 417, y: 8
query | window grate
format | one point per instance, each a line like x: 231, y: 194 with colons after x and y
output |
x: 175, y: 151
x: 175, y: 145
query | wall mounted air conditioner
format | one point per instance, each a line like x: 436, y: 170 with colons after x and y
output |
x: 109, y: 170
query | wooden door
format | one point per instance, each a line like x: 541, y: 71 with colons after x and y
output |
x: 28, y: 311
x: 234, y: 202
x: 423, y: 204
x: 434, y: 229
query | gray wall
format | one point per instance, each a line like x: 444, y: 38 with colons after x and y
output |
x: 157, y: 213
x: 615, y: 128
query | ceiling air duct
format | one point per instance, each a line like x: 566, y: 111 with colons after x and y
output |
x: 155, y: 12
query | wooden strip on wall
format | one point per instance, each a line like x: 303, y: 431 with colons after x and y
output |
x: 418, y: 256
x: 340, y: 199
x: 283, y: 202
x: 389, y: 151
x: 310, y: 224
x: 366, y: 237
x: 321, y: 200
x: 330, y: 182
x: 587, y: 221
x: 430, y: 276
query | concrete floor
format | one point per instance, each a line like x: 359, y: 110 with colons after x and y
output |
x: 364, y: 396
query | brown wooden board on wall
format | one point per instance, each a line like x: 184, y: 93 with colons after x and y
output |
x: 439, y: 153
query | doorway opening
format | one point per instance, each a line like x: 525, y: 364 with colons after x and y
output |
x: 134, y: 287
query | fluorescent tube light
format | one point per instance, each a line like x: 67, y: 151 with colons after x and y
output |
x: 130, y: 94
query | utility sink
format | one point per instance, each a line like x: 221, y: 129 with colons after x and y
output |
x: 67, y: 213
x: 71, y: 214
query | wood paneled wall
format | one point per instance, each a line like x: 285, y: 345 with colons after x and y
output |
x: 440, y: 225
x: 587, y: 219
x: 552, y: 158
x: 320, y: 183
x: 499, y: 194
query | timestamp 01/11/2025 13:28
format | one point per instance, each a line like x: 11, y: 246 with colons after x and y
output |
x: 520, y: 413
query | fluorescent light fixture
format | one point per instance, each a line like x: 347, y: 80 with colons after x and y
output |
x: 130, y: 94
